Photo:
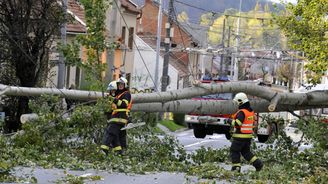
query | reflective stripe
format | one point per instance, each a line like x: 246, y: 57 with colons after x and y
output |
x: 119, y: 103
x: 233, y: 123
x: 117, y: 148
x: 119, y: 96
x: 247, y: 125
x: 253, y: 159
x: 236, y: 164
x: 104, y: 147
x: 242, y: 135
x: 246, y: 128
x: 126, y: 102
x: 118, y: 120
x: 121, y: 110
x: 239, y: 122
x: 250, y: 118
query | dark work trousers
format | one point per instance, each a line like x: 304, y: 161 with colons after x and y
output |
x: 240, y: 146
x: 114, y: 136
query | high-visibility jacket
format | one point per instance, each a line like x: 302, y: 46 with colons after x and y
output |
x: 245, y: 130
x: 122, y: 108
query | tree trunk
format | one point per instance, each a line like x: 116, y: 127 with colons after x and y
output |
x: 170, y: 101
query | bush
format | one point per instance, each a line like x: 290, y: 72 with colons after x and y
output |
x: 148, y: 118
x: 178, y: 118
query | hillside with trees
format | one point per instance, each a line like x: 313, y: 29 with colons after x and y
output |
x: 199, y: 7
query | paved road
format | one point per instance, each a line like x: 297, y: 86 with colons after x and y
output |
x: 215, y: 141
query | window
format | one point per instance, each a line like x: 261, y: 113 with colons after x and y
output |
x: 77, y: 77
x: 325, y: 111
x: 123, y: 34
x: 131, y: 33
x: 68, y: 75
x: 128, y: 77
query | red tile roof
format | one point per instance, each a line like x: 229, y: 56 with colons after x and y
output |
x: 76, y: 26
x: 130, y: 6
x: 77, y: 10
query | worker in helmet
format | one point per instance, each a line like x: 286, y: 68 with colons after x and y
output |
x: 108, y: 138
x: 121, y: 106
x: 243, y: 123
x: 112, y: 88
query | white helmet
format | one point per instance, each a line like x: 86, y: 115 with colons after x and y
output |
x: 123, y: 80
x: 112, y: 86
x: 240, y: 98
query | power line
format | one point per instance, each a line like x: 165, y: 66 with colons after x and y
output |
x: 218, y: 12
x: 192, y: 6
x: 134, y: 42
x: 188, y: 65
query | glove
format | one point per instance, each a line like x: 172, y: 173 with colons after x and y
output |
x: 115, y: 100
x: 114, y: 106
x: 229, y: 121
x: 110, y: 98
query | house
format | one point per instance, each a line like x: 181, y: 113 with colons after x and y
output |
x: 143, y: 76
x: 73, y: 74
x: 147, y: 31
x: 124, y: 33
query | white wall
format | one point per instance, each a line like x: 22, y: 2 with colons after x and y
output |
x: 53, y: 69
x: 140, y: 78
x: 130, y: 20
x: 128, y: 56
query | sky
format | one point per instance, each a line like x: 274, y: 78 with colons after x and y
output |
x: 292, y: 1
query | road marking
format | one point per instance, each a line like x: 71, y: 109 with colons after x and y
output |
x: 183, y: 134
x: 197, y: 143
x: 216, y: 136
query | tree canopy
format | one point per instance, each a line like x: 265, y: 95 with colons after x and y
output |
x: 27, y: 29
x: 306, y: 26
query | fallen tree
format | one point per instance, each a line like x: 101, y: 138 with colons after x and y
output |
x: 175, y: 101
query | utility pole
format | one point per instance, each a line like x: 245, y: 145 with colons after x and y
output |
x: 112, y: 33
x: 169, y: 34
x: 158, y: 43
x: 61, y: 64
x: 235, y: 59
x: 230, y: 53
x: 222, y: 43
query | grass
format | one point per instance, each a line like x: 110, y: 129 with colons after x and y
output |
x: 171, y: 125
x: 158, y: 130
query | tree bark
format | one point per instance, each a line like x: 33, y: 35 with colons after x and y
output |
x: 279, y: 101
x: 216, y: 107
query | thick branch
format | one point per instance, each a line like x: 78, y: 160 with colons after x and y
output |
x: 274, y: 102
x: 215, y: 107
x: 301, y: 99
x: 70, y: 94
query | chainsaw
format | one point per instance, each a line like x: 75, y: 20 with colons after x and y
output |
x: 133, y: 125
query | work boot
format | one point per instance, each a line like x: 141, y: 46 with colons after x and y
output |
x: 236, y: 168
x: 258, y: 164
x: 119, y: 152
x: 105, y: 149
